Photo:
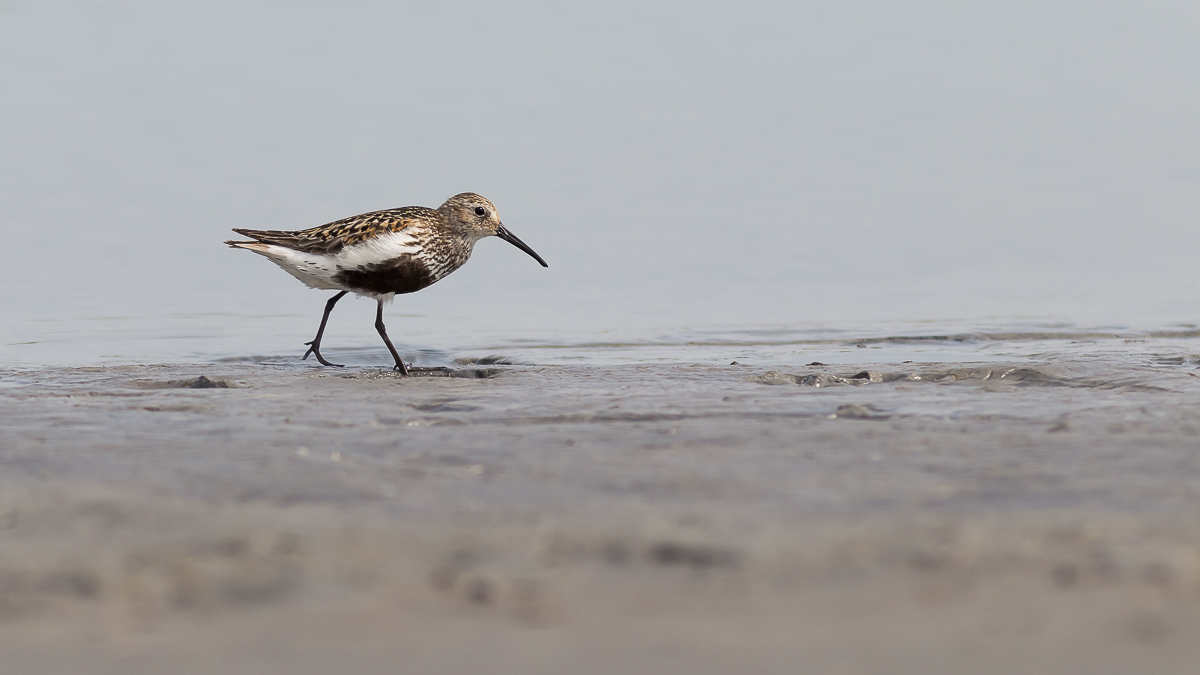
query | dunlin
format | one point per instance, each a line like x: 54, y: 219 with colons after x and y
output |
x: 382, y: 253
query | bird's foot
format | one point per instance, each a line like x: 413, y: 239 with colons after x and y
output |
x: 312, y: 349
x: 399, y: 368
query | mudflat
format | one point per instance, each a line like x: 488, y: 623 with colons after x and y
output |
x: 873, y: 518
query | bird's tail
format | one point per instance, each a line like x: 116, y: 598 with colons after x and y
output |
x: 256, y: 246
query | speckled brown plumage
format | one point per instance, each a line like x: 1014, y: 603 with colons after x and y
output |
x: 330, y: 238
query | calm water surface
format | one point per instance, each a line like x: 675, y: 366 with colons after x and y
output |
x: 773, y: 182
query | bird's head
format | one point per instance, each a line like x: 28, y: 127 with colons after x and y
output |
x: 476, y: 217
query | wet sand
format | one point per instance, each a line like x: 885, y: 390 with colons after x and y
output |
x: 874, y: 518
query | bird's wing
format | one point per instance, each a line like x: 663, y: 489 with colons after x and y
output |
x: 330, y: 238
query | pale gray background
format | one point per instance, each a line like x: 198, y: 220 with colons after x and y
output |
x: 684, y: 167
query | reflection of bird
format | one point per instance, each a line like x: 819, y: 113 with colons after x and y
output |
x: 382, y: 253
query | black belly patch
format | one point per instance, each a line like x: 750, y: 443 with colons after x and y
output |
x: 404, y: 274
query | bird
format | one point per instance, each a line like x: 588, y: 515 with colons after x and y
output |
x: 382, y: 254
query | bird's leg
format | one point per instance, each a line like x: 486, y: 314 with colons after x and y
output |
x: 383, y: 334
x: 314, y: 347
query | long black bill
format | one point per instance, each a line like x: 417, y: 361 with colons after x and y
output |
x: 511, y: 238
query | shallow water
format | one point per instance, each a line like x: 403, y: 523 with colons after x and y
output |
x: 275, y: 340
x: 697, y: 177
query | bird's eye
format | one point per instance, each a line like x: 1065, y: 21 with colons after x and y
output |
x: 480, y: 211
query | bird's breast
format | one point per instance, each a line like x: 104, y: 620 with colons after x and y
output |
x: 409, y: 265
x: 406, y: 273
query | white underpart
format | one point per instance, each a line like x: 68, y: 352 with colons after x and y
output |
x: 317, y: 270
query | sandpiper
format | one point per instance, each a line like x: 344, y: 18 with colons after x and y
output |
x: 382, y: 253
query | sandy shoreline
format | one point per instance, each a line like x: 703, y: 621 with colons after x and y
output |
x: 919, y: 518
